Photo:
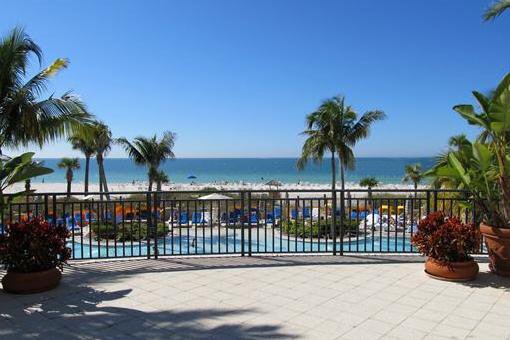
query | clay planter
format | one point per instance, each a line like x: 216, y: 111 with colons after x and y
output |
x: 28, y: 283
x: 497, y: 241
x: 454, y: 271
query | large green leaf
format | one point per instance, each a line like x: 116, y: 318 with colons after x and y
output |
x: 483, y: 155
x: 457, y: 166
x: 468, y: 113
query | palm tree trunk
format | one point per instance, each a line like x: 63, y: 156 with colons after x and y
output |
x: 98, y: 159
x: 68, y: 189
x: 105, y: 184
x: 102, y: 176
x: 333, y: 195
x: 342, y: 184
x: 87, y: 166
x: 415, y: 190
x: 69, y: 177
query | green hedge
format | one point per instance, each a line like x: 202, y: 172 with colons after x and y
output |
x: 317, y: 228
x: 127, y: 232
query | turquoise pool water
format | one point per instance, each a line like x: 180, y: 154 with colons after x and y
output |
x: 185, y: 244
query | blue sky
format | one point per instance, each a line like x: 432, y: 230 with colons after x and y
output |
x: 236, y: 78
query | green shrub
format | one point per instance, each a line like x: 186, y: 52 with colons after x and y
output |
x: 127, y: 232
x: 317, y: 228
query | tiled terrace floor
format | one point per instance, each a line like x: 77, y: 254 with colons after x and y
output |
x: 316, y: 297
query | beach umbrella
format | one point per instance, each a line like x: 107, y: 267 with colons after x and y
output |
x: 215, y: 196
x: 274, y: 183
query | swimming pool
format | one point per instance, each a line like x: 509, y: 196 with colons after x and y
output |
x: 202, y: 244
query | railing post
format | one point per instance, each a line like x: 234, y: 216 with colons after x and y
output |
x: 342, y: 208
x: 249, y: 223
x: 46, y: 207
x: 242, y: 220
x: 149, y: 225
x: 435, y: 201
x: 154, y: 226
x: 333, y: 220
x: 428, y: 202
x: 54, y: 210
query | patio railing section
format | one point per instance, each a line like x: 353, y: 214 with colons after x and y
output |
x: 209, y: 222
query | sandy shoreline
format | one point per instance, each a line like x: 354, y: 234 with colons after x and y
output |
x: 143, y: 186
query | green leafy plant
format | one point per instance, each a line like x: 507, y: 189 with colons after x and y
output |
x: 16, y: 170
x: 34, y: 246
x: 446, y: 240
x: 317, y: 229
x: 482, y: 167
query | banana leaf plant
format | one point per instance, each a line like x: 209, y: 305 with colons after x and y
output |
x: 15, y: 170
x: 483, y: 167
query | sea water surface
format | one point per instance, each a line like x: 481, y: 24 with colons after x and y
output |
x: 250, y: 170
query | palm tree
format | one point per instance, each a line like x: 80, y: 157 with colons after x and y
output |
x: 150, y: 152
x: 369, y: 182
x: 82, y: 139
x: 413, y: 174
x: 160, y: 177
x: 102, y: 141
x: 334, y: 127
x: 496, y: 9
x: 25, y: 117
x: 69, y: 164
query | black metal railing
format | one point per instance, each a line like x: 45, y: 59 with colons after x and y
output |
x: 153, y: 224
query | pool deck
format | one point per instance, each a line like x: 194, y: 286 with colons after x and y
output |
x: 308, y: 297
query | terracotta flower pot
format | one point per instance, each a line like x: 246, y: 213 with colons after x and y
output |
x: 455, y: 271
x: 28, y: 283
x: 497, y: 241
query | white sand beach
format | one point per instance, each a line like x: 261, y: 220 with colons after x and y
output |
x: 143, y: 186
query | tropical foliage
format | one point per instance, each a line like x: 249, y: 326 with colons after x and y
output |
x: 483, y: 167
x: 446, y: 240
x: 26, y: 117
x: 335, y: 128
x: 34, y: 246
x: 414, y: 174
x: 496, y: 9
x: 151, y: 153
x: 82, y: 140
x: 102, y: 142
x: 18, y: 170
x: 69, y: 164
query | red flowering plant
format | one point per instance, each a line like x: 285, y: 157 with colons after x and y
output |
x: 446, y: 239
x: 33, y: 246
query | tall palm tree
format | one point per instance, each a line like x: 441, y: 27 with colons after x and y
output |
x: 82, y: 139
x: 102, y: 141
x: 25, y: 117
x: 334, y: 127
x: 413, y: 174
x: 69, y: 164
x: 150, y: 152
x: 496, y: 9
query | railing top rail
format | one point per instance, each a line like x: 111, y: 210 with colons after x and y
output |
x: 116, y: 194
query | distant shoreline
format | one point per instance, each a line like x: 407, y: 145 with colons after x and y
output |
x: 141, y: 186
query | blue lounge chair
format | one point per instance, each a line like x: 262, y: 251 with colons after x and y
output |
x: 294, y: 214
x: 277, y: 212
x: 269, y: 218
x: 197, y: 218
x: 306, y: 213
x: 183, y: 218
x: 254, y: 218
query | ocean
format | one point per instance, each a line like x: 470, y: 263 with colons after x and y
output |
x: 250, y: 170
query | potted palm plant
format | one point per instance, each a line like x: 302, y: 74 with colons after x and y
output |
x: 482, y: 168
x: 447, y: 242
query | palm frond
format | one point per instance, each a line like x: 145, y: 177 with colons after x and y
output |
x: 496, y: 9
